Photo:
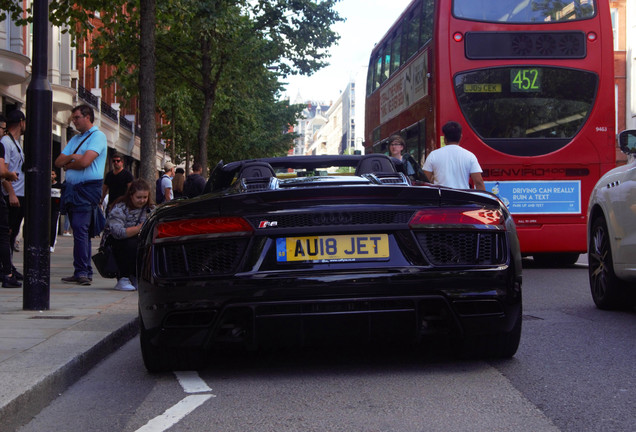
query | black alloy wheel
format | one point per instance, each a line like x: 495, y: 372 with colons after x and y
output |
x: 608, y: 291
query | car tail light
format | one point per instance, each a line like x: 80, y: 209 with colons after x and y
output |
x: 192, y: 227
x: 457, y: 216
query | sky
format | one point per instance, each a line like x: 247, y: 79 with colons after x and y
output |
x: 366, y: 22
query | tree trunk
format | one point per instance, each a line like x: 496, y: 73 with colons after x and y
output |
x: 204, y: 127
x: 147, y: 96
x: 173, y: 127
x: 210, y: 85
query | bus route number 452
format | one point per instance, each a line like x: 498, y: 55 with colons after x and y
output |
x: 525, y: 80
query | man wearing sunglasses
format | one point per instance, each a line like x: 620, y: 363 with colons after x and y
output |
x: 116, y: 182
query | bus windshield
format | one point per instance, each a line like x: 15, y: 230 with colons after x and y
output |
x: 525, y: 102
x: 523, y: 11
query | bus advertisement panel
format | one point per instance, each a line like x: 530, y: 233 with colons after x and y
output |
x: 532, y: 84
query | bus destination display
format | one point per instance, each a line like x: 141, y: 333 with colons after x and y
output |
x: 525, y: 80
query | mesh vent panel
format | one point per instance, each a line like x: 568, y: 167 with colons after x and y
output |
x: 212, y: 257
x: 462, y: 248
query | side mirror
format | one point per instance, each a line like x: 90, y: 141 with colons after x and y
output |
x: 627, y: 141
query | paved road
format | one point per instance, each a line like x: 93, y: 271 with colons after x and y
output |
x: 573, y: 372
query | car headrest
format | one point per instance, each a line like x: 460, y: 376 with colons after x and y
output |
x: 375, y: 163
x: 257, y: 170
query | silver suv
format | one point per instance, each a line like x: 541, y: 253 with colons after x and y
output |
x: 611, y: 228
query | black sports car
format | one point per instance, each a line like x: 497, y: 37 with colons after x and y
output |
x: 326, y: 249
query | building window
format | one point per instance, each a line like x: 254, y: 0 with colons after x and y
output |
x: 614, y: 13
x: 616, y: 107
x: 73, y: 57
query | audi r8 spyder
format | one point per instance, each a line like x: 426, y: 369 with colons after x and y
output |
x: 313, y: 250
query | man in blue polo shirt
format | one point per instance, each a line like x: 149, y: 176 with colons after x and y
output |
x: 84, y: 160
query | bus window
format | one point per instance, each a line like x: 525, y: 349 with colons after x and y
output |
x: 523, y: 11
x: 411, y: 35
x: 396, y: 46
x: 519, y: 103
x: 415, y: 137
x: 370, y: 87
x: 378, y: 72
x: 385, y: 59
x: 426, y: 32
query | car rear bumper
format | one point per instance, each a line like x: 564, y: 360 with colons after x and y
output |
x: 273, y: 310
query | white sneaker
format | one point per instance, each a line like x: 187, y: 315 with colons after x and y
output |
x: 123, y: 284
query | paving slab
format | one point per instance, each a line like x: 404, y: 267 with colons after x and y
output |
x: 44, y: 352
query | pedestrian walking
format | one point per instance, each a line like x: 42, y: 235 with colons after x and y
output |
x: 452, y: 165
x: 165, y: 183
x: 177, y: 183
x: 397, y: 149
x: 195, y: 182
x: 84, y: 160
x: 7, y: 274
x: 116, y: 182
x: 56, y: 195
x: 14, y: 190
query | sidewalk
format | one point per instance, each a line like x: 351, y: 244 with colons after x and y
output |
x: 44, y: 352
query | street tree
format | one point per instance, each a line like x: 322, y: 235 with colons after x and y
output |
x: 221, y: 48
x: 233, y: 51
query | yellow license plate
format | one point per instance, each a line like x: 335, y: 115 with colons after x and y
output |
x: 333, y: 248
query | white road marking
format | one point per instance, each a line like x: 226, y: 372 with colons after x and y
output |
x: 191, y: 382
x: 174, y: 414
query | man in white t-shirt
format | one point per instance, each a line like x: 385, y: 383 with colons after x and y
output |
x: 452, y: 165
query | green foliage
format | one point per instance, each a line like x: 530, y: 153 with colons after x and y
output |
x: 258, y: 127
x: 219, y: 64
x: 71, y: 15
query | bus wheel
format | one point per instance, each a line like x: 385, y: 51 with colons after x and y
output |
x: 556, y: 259
x: 608, y: 291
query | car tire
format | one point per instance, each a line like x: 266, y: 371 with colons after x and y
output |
x: 500, y: 345
x: 160, y: 359
x: 608, y: 291
x: 555, y: 260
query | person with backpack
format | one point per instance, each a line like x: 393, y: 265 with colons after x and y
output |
x: 163, y: 187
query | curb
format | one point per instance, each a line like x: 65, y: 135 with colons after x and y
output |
x: 21, y: 409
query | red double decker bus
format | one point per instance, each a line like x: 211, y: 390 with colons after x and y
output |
x: 531, y: 82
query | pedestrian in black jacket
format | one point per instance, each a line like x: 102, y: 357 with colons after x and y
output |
x: 195, y: 182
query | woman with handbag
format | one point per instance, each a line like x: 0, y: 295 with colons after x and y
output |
x: 123, y: 224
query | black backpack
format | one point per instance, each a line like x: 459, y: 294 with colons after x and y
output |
x: 159, y: 196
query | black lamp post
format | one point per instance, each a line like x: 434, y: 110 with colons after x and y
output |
x: 37, y: 259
